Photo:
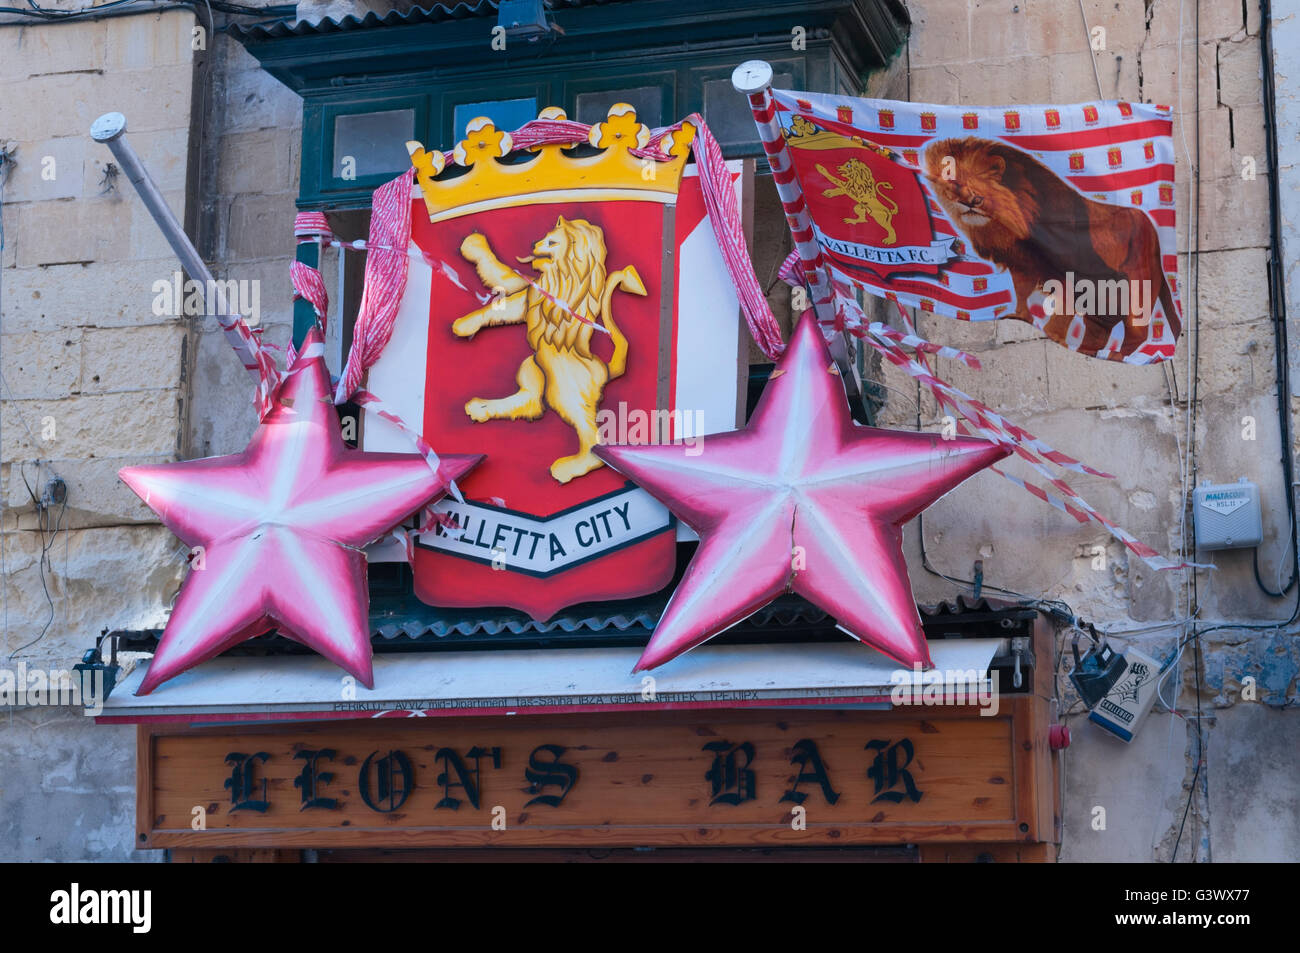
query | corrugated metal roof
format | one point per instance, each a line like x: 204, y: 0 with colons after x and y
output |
x: 418, y: 621
x: 406, y: 622
x: 436, y: 13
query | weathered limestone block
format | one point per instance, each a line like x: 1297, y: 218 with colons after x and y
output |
x: 107, y: 425
x: 1219, y: 19
x: 168, y: 40
x: 99, y: 294
x: 119, y: 577
x: 264, y: 165
x: 1252, y: 781
x: 132, y: 359
x: 42, y: 364
x: 940, y: 34
x: 31, y: 49
x: 96, y: 497
x: 48, y: 169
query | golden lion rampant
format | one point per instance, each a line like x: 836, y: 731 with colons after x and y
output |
x: 861, y: 186
x: 570, y: 260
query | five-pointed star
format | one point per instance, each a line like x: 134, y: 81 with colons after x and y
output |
x: 805, y: 500
x: 281, y: 527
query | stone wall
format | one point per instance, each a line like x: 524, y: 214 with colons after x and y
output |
x: 252, y: 141
x: 82, y: 347
x: 1133, y: 421
x: 94, y: 380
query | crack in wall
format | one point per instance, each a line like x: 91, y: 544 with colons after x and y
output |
x: 1146, y: 35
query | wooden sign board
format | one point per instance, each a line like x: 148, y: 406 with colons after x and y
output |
x: 783, y: 778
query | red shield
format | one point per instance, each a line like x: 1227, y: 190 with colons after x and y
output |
x: 886, y: 119
x: 1090, y: 114
x: 1076, y: 161
x: 929, y: 122
x: 970, y: 121
x: 1053, y: 117
x: 532, y: 536
x: 870, y: 213
x: 1012, y: 120
x: 1148, y: 150
x: 1114, y: 156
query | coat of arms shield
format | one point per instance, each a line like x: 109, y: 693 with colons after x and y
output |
x: 550, y: 329
x: 869, y: 211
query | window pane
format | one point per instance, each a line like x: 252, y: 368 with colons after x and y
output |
x: 648, y: 101
x: 727, y: 111
x: 374, y: 142
x: 506, y: 114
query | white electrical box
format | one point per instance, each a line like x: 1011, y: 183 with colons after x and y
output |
x: 1227, y: 515
x: 1125, y: 706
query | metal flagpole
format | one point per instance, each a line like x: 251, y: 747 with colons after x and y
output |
x: 109, y: 129
x: 754, y: 79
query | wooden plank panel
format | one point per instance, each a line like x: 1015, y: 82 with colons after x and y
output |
x: 622, y: 855
x: 235, y: 855
x: 666, y: 779
x: 987, y: 853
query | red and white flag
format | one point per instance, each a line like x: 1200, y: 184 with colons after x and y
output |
x: 1059, y: 216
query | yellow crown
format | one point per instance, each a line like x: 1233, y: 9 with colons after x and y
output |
x: 553, y: 175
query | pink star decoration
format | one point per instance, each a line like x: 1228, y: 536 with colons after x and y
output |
x: 282, y: 526
x: 802, y: 500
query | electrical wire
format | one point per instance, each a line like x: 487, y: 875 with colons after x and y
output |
x: 42, y: 525
x: 1193, y: 360
x: 6, y: 164
x: 36, y: 12
x: 1092, y: 54
x: 1277, y: 311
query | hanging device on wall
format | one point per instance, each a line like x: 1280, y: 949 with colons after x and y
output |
x: 1125, y: 705
x: 1096, y: 672
x: 1118, y: 687
x: 1227, y: 515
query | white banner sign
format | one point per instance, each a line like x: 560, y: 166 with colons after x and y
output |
x: 509, y: 540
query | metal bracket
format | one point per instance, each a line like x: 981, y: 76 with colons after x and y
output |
x: 1020, y: 648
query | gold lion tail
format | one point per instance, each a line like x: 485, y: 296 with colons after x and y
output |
x: 890, y: 205
x: 630, y: 281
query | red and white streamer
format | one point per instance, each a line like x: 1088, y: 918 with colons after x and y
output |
x: 428, y: 518
x: 255, y: 357
x: 724, y: 216
x: 814, y: 269
x: 387, y: 264
x: 990, y: 425
x: 309, y: 285
x: 922, y: 345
